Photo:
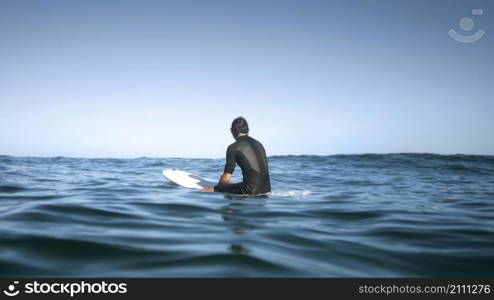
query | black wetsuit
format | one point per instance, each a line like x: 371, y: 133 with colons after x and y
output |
x: 251, y: 157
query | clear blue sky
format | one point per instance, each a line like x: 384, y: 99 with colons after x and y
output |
x: 164, y: 78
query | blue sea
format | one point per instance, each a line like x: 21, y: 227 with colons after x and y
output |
x: 388, y: 215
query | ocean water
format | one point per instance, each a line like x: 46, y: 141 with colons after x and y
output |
x: 343, y: 215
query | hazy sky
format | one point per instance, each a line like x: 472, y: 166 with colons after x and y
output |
x: 162, y: 78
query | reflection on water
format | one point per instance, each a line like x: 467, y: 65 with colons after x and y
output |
x: 238, y: 224
x: 238, y: 249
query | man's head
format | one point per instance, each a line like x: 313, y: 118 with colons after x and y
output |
x: 239, y: 125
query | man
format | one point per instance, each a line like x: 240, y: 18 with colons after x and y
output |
x: 251, y: 157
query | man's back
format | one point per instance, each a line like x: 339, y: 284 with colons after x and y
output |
x: 251, y: 157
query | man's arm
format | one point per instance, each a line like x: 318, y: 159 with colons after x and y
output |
x: 225, y: 178
x: 229, y: 167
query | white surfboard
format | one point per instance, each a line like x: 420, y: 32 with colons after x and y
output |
x: 187, y: 179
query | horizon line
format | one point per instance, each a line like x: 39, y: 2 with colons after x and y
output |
x: 275, y: 155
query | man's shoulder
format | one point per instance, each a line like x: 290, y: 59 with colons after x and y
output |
x: 254, y: 140
x: 232, y: 146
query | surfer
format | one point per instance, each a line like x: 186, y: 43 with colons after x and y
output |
x: 251, y: 157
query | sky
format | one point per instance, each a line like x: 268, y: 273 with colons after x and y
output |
x: 118, y: 78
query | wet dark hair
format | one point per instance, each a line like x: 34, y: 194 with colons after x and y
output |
x: 239, y: 125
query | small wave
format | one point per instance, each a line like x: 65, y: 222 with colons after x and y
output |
x: 11, y: 189
x: 459, y: 168
x: 344, y: 215
x: 466, y: 169
x: 232, y: 264
x: 294, y: 193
